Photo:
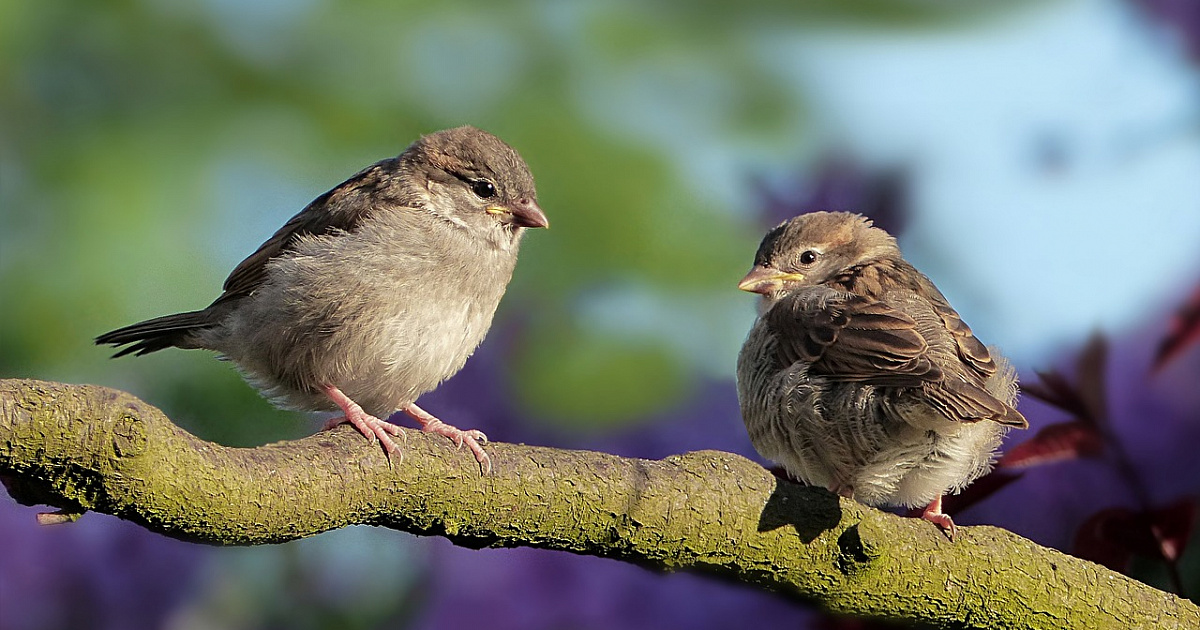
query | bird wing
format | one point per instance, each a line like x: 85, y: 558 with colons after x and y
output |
x: 970, y: 349
x: 959, y: 398
x: 850, y: 337
x: 336, y: 210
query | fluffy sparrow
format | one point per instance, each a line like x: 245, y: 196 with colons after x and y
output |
x: 376, y: 292
x: 860, y: 377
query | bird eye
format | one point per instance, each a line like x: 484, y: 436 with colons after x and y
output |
x: 808, y: 257
x: 483, y: 189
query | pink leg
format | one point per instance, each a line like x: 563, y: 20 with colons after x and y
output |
x: 470, y: 437
x: 843, y: 490
x: 370, y: 426
x: 933, y: 513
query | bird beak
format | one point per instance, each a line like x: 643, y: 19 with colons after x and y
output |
x: 524, y: 212
x: 763, y: 280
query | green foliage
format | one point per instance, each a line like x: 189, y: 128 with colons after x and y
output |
x: 596, y: 380
x: 148, y: 146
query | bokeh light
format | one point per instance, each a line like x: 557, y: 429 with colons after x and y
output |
x: 1038, y: 161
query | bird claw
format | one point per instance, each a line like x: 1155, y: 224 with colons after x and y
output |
x: 375, y: 430
x: 371, y: 427
x: 843, y: 490
x: 470, y: 437
x: 934, y: 514
x: 479, y: 436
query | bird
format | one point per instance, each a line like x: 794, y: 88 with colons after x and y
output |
x: 859, y: 376
x: 375, y: 292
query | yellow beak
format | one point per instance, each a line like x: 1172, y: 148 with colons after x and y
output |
x: 522, y: 213
x: 764, y: 280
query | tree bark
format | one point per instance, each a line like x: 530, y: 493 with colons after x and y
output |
x: 83, y: 447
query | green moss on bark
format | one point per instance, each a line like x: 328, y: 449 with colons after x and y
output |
x: 90, y: 448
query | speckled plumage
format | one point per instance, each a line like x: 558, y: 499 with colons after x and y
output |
x: 380, y: 288
x: 859, y: 376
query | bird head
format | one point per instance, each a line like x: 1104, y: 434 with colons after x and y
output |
x: 812, y: 249
x: 475, y: 181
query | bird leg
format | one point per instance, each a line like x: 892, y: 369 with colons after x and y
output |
x: 934, y: 514
x: 842, y: 490
x: 470, y: 437
x: 370, y: 426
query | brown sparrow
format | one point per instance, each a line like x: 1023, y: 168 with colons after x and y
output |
x: 376, y: 292
x: 860, y: 377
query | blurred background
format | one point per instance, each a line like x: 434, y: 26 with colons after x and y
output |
x: 1039, y: 161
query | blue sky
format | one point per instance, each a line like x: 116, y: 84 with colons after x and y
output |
x: 1054, y: 156
x: 1056, y: 161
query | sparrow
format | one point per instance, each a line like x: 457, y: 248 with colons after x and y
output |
x: 860, y: 377
x: 376, y: 292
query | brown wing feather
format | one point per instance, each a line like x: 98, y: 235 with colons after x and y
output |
x: 330, y: 212
x: 883, y: 276
x: 962, y: 400
x: 852, y: 338
x: 970, y: 349
x: 858, y: 335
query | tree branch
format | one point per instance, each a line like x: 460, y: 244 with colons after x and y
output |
x: 82, y: 447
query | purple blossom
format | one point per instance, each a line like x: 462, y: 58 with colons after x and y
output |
x: 1182, y: 17
x: 841, y: 184
x: 99, y: 572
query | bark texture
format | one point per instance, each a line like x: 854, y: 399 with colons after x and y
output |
x: 83, y: 447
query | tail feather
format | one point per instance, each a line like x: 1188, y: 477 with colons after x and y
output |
x: 155, y: 334
x: 1012, y: 418
x: 964, y: 401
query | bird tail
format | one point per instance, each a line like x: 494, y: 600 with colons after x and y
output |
x: 155, y: 334
x: 1012, y: 418
x: 964, y: 401
x: 1003, y: 385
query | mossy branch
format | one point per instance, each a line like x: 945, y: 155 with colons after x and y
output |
x: 82, y: 447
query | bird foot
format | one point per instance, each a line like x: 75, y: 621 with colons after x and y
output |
x: 842, y: 490
x: 371, y: 427
x: 471, y: 437
x: 934, y: 514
